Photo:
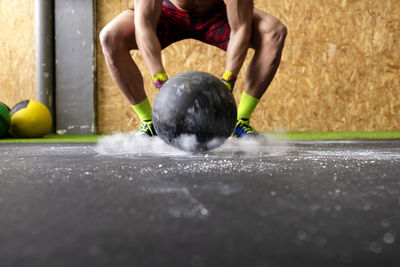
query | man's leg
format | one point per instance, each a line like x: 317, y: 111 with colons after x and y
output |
x: 117, y: 40
x: 268, y: 37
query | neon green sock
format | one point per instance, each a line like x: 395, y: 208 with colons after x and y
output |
x: 246, y: 106
x: 143, y: 109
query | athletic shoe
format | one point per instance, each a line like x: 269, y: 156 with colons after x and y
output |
x: 243, y: 128
x: 147, y: 128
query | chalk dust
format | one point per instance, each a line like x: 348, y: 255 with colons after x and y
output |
x: 130, y: 143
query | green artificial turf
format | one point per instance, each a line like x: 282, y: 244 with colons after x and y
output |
x: 54, y: 138
x: 335, y: 135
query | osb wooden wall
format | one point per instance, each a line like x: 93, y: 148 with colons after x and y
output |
x: 340, y: 70
x: 17, y: 55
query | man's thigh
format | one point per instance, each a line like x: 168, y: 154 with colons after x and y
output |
x: 172, y: 25
x: 214, y: 29
x: 122, y: 28
x: 210, y: 27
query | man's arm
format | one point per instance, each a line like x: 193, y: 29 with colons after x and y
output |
x: 240, y: 15
x: 147, y: 13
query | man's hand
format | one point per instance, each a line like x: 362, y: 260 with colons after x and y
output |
x: 229, y: 80
x: 159, y: 79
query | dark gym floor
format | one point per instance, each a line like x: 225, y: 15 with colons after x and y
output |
x: 326, y: 203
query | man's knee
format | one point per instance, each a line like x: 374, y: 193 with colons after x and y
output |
x: 114, y: 39
x: 108, y: 38
x: 269, y: 31
x: 276, y: 34
x: 281, y: 31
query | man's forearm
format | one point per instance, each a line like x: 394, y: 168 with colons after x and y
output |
x: 150, y: 49
x: 147, y: 13
x: 240, y: 14
x: 237, y: 48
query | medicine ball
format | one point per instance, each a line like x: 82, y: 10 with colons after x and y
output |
x: 5, y: 119
x: 194, y: 111
x: 30, y: 119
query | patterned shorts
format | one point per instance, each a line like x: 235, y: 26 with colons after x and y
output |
x: 210, y: 27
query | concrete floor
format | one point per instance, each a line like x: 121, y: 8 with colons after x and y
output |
x: 285, y: 204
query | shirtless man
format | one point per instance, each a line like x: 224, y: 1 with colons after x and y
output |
x: 234, y: 26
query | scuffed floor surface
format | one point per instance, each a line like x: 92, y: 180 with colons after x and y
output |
x: 282, y: 204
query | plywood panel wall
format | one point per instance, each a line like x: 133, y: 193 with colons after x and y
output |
x: 17, y: 55
x: 340, y: 69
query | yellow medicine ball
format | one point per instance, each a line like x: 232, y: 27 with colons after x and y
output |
x: 30, y: 119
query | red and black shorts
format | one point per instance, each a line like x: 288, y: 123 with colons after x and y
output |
x: 210, y: 27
